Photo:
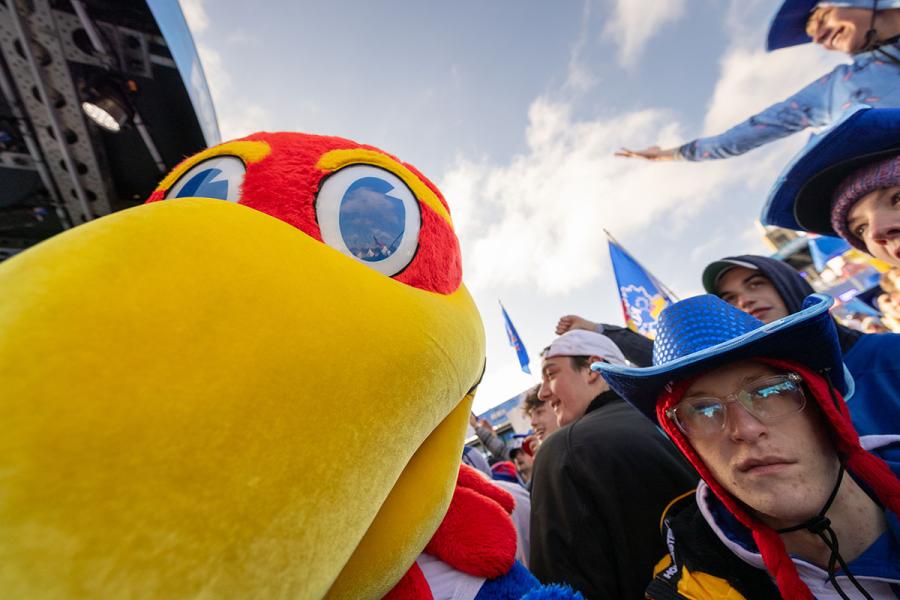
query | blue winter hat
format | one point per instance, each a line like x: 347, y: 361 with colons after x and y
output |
x: 788, y: 26
x: 703, y: 333
x: 802, y: 196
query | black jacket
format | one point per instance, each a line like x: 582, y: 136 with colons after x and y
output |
x: 599, y: 488
x: 635, y: 347
x: 699, y: 565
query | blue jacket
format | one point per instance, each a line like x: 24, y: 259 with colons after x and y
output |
x: 874, y: 362
x: 871, y: 79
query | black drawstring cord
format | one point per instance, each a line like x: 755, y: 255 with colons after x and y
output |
x: 887, y: 55
x: 871, y: 34
x: 873, y: 45
x: 819, y: 522
x: 821, y: 525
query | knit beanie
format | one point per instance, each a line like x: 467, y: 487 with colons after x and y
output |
x: 873, y: 176
x: 866, y: 467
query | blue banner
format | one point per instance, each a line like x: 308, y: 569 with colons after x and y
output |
x: 515, y: 341
x: 642, y: 295
x: 824, y: 248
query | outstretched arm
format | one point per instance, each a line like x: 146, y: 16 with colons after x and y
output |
x: 651, y: 153
x: 810, y: 107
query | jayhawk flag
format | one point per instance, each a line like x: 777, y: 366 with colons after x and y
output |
x: 515, y: 341
x: 642, y: 294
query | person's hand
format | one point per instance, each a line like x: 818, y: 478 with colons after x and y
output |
x: 472, y: 420
x: 570, y: 322
x: 651, y: 153
x: 486, y: 424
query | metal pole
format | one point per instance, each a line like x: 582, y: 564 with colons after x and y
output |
x: 148, y: 141
x: 54, y: 119
x: 33, y: 149
x: 92, y: 33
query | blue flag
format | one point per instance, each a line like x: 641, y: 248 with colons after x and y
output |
x: 515, y: 341
x: 642, y: 294
x: 823, y: 248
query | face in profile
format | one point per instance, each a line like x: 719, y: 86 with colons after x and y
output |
x: 565, y: 388
x: 543, y: 421
x: 752, y: 292
x: 838, y: 28
x: 875, y: 219
x: 783, y: 468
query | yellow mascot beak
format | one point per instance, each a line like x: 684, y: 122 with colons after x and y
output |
x: 201, y: 401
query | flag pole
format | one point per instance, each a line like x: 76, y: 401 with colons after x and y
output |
x: 659, y: 283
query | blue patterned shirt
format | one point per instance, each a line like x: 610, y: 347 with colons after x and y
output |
x: 871, y: 79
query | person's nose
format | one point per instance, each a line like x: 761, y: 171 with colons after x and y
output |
x: 745, y: 302
x: 741, y: 425
x: 885, y: 226
x: 822, y: 34
x: 544, y: 391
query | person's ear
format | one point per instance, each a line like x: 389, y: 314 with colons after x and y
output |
x: 593, y: 376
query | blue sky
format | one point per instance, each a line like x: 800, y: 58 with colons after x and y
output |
x: 514, y: 109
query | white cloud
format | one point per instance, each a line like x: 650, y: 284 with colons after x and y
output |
x: 195, y: 15
x: 538, y: 219
x: 506, y: 381
x: 635, y: 22
x: 238, y: 116
x: 579, y: 77
x: 752, y: 79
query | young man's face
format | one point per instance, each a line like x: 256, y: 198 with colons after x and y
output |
x: 752, y: 292
x: 784, y: 470
x: 839, y: 28
x: 875, y: 219
x: 543, y: 421
x: 523, y: 464
x: 566, y: 389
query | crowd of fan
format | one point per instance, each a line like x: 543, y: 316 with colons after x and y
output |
x: 601, y: 475
x: 752, y: 450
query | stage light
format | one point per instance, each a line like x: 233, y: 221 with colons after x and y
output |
x: 107, y: 112
x: 104, y: 102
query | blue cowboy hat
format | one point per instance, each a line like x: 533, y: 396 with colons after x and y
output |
x: 802, y: 196
x: 703, y: 333
x: 788, y: 26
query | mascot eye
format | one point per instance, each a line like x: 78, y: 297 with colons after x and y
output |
x: 220, y: 177
x: 370, y: 214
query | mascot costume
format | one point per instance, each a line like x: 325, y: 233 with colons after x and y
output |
x: 255, y: 385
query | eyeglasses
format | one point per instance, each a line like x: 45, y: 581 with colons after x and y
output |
x: 768, y: 399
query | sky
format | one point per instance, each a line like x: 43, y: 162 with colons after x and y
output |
x: 514, y: 109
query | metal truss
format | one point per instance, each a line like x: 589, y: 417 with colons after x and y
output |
x: 36, y: 43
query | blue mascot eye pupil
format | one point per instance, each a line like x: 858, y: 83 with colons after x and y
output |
x: 203, y: 185
x: 372, y: 221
